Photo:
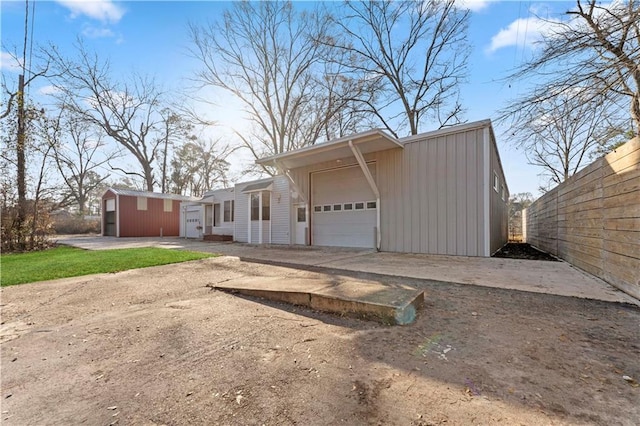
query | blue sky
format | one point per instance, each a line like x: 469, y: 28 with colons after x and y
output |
x: 152, y: 38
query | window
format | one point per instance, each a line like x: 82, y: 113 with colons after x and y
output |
x: 228, y: 210
x: 111, y: 205
x: 348, y: 206
x: 317, y: 209
x: 302, y: 214
x: 337, y: 207
x: 255, y: 206
x: 496, y: 181
x: 504, y: 192
x: 359, y: 206
x: 326, y: 208
x: 216, y: 214
x: 266, y: 205
x: 371, y: 205
x: 168, y: 205
x: 142, y: 203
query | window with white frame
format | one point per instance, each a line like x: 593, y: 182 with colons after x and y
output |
x: 317, y: 209
x: 255, y: 205
x: 496, y: 182
x: 348, y: 206
x: 168, y: 205
x: 371, y: 205
x: 228, y: 210
x: 359, y: 206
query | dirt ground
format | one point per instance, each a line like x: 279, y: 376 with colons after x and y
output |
x: 156, y: 346
x: 523, y: 251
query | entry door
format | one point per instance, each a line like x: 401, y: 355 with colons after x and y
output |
x: 301, y: 224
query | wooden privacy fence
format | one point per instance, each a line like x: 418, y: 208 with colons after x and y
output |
x: 592, y: 220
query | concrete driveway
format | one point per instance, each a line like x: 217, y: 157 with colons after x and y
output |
x: 557, y: 278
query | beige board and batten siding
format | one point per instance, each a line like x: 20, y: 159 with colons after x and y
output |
x: 499, y: 200
x: 432, y: 192
x: 438, y: 188
x: 592, y: 220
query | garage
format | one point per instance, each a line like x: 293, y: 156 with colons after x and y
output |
x: 193, y: 227
x: 344, y: 208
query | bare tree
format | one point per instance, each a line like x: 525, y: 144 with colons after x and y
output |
x: 417, y: 50
x: 126, y: 111
x: 266, y: 54
x: 595, y: 53
x: 78, y: 150
x: 559, y: 133
x: 198, y: 166
x: 173, y: 127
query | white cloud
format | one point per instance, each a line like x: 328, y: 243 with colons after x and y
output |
x: 524, y: 32
x: 48, y: 90
x: 473, y: 5
x: 102, y: 10
x: 94, y: 32
x: 8, y: 62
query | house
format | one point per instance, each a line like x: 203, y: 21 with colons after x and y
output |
x: 441, y: 192
x: 210, y: 218
x: 129, y: 213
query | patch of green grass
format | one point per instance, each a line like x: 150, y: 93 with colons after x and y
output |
x: 63, y: 262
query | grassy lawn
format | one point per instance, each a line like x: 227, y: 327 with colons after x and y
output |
x: 62, y: 262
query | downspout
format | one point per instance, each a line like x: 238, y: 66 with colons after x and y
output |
x: 374, y: 188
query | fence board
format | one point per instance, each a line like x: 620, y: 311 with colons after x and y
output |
x: 593, y: 219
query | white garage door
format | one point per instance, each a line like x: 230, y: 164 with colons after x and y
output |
x: 192, y: 224
x: 344, y: 208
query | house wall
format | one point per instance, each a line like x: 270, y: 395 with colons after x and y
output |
x: 432, y: 193
x: 592, y: 220
x: 276, y: 230
x: 281, y: 211
x: 225, y: 228
x: 152, y: 222
x: 498, y: 204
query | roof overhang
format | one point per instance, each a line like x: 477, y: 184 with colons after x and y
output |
x: 367, y: 142
x: 257, y: 187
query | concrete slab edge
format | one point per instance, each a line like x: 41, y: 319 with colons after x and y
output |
x: 385, y: 314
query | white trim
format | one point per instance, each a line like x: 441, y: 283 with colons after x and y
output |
x: 260, y: 217
x: 487, y: 192
x: 249, y: 218
x: 448, y: 130
x: 117, y: 215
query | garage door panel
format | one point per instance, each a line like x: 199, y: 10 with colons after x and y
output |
x: 353, y: 228
x: 192, y: 224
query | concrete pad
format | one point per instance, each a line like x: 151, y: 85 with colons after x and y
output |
x: 558, y: 278
x: 389, y: 305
